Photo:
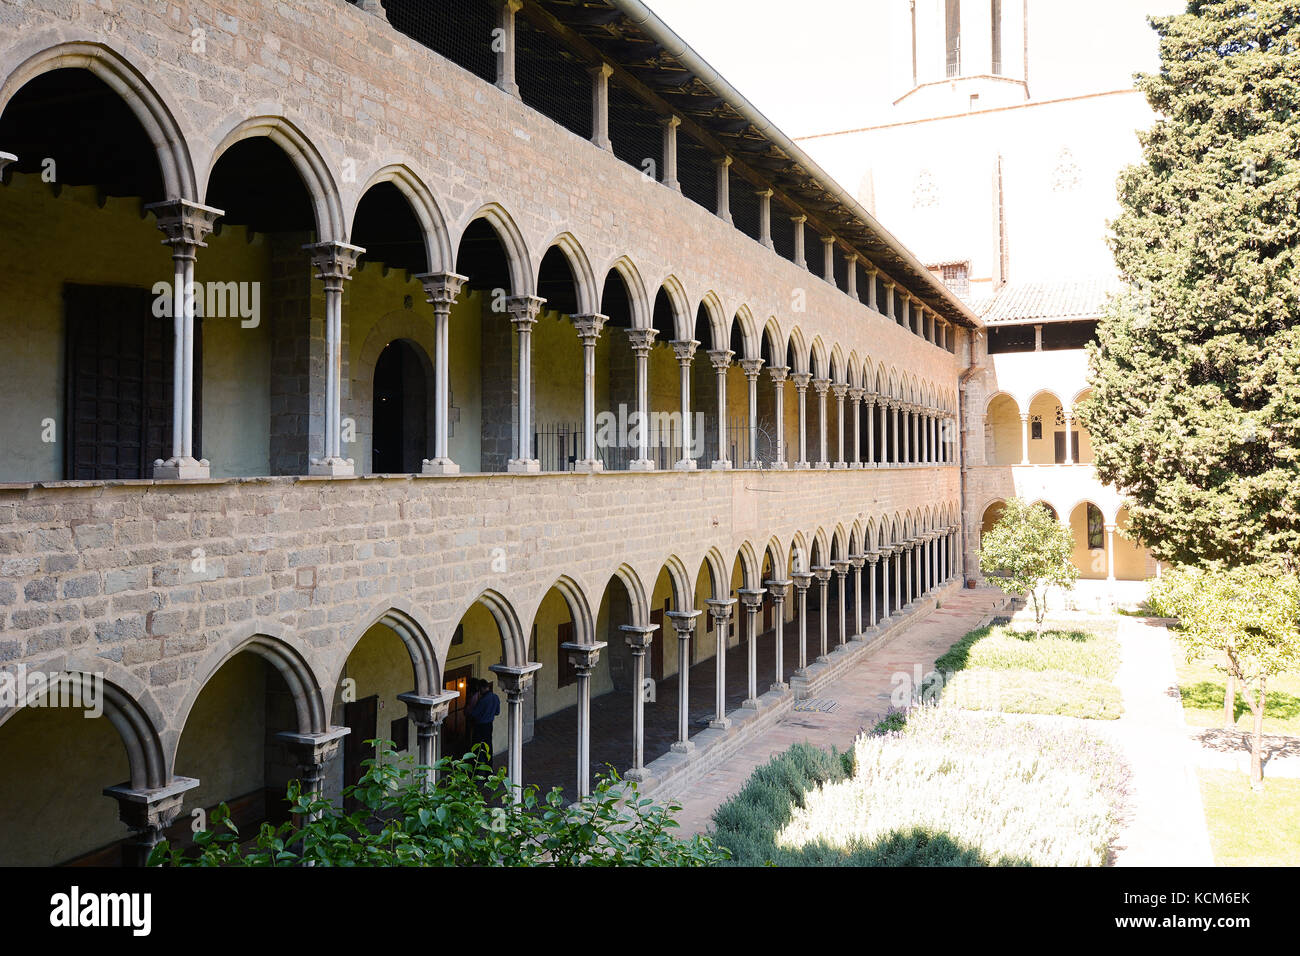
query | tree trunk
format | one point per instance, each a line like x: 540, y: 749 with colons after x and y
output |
x: 1230, y: 703
x: 1257, y: 743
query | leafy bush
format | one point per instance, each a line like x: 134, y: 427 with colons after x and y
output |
x: 466, y: 819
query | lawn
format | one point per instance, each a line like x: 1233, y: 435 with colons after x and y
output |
x: 1202, y: 687
x: 1068, y: 671
x: 1249, y: 828
x: 953, y: 788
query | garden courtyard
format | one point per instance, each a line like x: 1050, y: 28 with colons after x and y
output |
x: 1094, y: 744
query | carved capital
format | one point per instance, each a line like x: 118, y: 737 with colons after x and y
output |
x: 313, y: 751
x: 801, y: 380
x: 839, y: 391
x: 752, y: 367
x: 779, y: 373
x: 752, y: 598
x: 442, y: 288
x: 856, y: 392
x: 589, y: 326
x: 685, y: 350
x: 523, y: 310
x: 823, y: 573
x: 515, y: 678
x: 683, y: 622
x: 333, y: 261
x: 721, y: 358
x: 428, y: 710
x: 720, y: 608
x: 822, y: 385
x: 802, y: 580
x: 641, y: 340
x: 584, y: 657
x: 778, y: 590
x: 185, y: 224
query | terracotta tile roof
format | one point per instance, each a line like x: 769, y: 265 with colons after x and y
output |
x: 1046, y: 301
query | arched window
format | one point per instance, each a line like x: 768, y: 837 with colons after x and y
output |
x: 1096, y: 528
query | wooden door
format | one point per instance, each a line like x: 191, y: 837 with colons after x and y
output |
x: 361, y: 717
x: 455, y: 728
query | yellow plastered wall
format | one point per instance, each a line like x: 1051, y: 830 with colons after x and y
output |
x: 1090, y: 562
x: 1132, y: 561
x: 1003, y: 432
x: 380, y: 665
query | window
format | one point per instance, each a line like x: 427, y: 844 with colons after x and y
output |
x: 957, y: 278
x: 1036, y: 427
x: 996, y: 16
x: 1096, y: 529
x: 953, y: 22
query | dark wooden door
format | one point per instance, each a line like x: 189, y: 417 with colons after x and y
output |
x: 361, y: 717
x: 119, y: 371
x: 455, y: 728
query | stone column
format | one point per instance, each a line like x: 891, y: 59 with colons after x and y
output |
x: 752, y: 367
x: 840, y: 391
x: 801, y: 380
x: 683, y: 623
x: 642, y: 341
x: 186, y: 225
x: 1069, y: 440
x: 428, y: 712
x: 872, y: 302
x: 506, y: 11
x: 821, y: 384
x: 720, y: 609
x: 909, y: 556
x: 584, y: 658
x: 857, y: 560
x: 855, y: 395
x: 722, y: 165
x: 721, y: 359
x: 752, y: 599
x: 897, y: 551
x: 333, y: 262
x: 765, y: 217
x: 934, y: 438
x: 670, y: 124
x: 823, y: 573
x: 514, y: 681
x: 889, y: 606
x: 778, y: 373
x: 600, y: 105
x: 841, y: 566
x: 441, y: 288
x: 828, y: 259
x: 639, y: 639
x: 802, y: 579
x: 798, y: 223
x: 523, y: 311
x: 905, y: 412
x: 872, y: 557
x: 1110, y: 552
x: 589, y: 327
x: 889, y: 301
x: 147, y: 812
x: 685, y: 351
x: 312, y: 752
x: 895, y: 457
x: 778, y: 590
x: 1024, y: 438
x: 852, y: 290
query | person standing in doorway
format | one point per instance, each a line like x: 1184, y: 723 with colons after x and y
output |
x: 482, y: 714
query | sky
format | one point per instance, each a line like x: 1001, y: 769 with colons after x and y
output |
x: 824, y: 65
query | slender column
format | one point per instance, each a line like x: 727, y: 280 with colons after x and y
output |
x: 909, y: 560
x: 584, y: 658
x: 683, y: 623
x: 801, y: 581
x: 186, y: 225
x: 148, y: 811
x: 600, y: 105
x: 905, y: 411
x: 873, y: 558
x: 889, y: 607
x: 721, y: 359
x: 670, y: 124
x: 720, y: 608
x: 842, y: 573
x: 828, y: 259
x: 333, y: 262
x: 752, y: 368
x: 852, y: 289
x: 871, y: 429
x: 589, y: 327
x: 752, y: 598
x: 871, y: 287
x: 778, y: 590
x: 514, y: 681
x: 1069, y: 440
x: 311, y: 752
x: 918, y: 449
x: 639, y: 638
x: 765, y: 217
x: 823, y: 573
x: 934, y: 438
x: 894, y: 456
x: 428, y: 712
x: 855, y: 395
x: 523, y: 310
x: 889, y: 300
x: 798, y: 223
x: 898, y: 578
x: 840, y: 391
x: 441, y: 288
x: 821, y: 384
x: 506, y: 11
x: 801, y: 380
x: 723, y: 188
x: 642, y: 340
x: 857, y: 560
x: 1110, y: 552
x: 936, y: 577
x: 779, y: 373
x: 1024, y: 438
x: 685, y: 351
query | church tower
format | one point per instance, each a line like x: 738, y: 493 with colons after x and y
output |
x: 966, y: 55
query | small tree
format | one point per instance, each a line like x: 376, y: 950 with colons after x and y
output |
x: 1248, y: 617
x: 1027, y: 552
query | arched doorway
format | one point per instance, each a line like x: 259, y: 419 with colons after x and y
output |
x: 402, y: 423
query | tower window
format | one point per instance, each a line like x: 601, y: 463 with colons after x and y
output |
x: 952, y: 20
x: 996, y: 15
x: 956, y: 278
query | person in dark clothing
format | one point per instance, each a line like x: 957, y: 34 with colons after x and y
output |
x: 482, y: 713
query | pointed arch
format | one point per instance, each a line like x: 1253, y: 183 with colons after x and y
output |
x: 680, y: 580
x: 636, y: 593
x: 408, y: 623
x: 748, y: 333
x: 584, y: 627
x: 588, y: 293
x: 433, y: 224
x: 636, y: 289
x: 512, y: 242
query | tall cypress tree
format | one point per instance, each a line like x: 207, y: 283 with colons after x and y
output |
x: 1195, y: 411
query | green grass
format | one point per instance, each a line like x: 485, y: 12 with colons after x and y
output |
x: 1249, y: 828
x: 1202, y: 687
x: 1067, y: 671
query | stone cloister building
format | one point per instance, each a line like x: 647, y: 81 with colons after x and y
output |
x: 330, y: 329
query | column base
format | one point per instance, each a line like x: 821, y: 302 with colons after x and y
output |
x: 779, y: 686
x: 332, y: 467
x: 855, y: 465
x: 182, y: 468
x: 802, y: 465
x: 682, y: 747
x: 641, y: 464
x: 752, y: 465
x: 840, y: 464
x: 439, y: 466
x: 822, y: 659
x: 780, y: 466
x: 720, y: 723
x: 822, y: 466
x: 686, y: 464
x: 523, y: 466
x: 589, y: 465
x: 722, y: 465
x: 638, y: 774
